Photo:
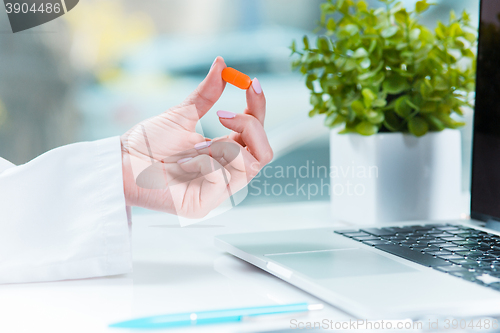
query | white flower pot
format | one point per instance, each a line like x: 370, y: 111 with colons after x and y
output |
x: 392, y: 177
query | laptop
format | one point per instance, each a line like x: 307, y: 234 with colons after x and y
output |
x: 406, y: 270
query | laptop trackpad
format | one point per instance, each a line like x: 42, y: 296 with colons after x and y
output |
x: 339, y: 263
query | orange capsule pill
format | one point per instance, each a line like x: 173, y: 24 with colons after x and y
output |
x: 236, y: 78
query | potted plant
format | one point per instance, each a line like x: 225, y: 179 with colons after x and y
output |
x: 396, y: 89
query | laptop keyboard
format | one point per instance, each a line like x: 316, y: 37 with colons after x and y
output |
x: 461, y: 251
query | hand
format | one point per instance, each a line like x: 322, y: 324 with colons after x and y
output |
x: 169, y: 167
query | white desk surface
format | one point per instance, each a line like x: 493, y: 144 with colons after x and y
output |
x: 175, y: 270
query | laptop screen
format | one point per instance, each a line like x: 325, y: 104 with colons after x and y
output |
x: 485, y: 188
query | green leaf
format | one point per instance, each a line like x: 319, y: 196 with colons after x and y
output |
x: 465, y: 16
x: 428, y: 107
x: 418, y: 126
x: 379, y: 103
x: 392, y: 122
x: 378, y: 79
x: 309, y: 81
x: 469, y: 36
x: 358, y: 107
x: 366, y: 76
x: 306, y: 42
x: 375, y: 117
x: 327, y: 8
x: 412, y: 105
x: 316, y: 100
x: 293, y: 47
x: 426, y: 35
x: 368, y: 97
x: 440, y: 84
x: 441, y: 31
x: 323, y: 44
x: 389, y: 32
x: 350, y: 64
x: 395, y: 84
x: 455, y: 30
x: 331, y: 25
x: 414, y: 34
x: 362, y: 6
x: 444, y: 108
x: 468, y: 54
x: 401, y: 16
x: 350, y: 29
x: 448, y: 121
x: 434, y: 123
x: 421, y: 6
x: 373, y: 45
x: 365, y: 63
x: 360, y: 53
x: 334, y: 120
x: 402, y: 108
x: 453, y: 16
x: 366, y: 128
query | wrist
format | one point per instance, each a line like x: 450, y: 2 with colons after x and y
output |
x: 129, y: 187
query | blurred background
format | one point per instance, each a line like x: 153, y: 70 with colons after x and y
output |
x: 108, y: 64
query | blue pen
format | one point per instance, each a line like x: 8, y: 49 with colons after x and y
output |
x: 214, y: 316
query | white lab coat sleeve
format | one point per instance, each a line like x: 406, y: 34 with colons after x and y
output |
x: 4, y: 165
x: 63, y: 215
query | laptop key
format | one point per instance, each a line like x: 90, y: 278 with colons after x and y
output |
x: 453, y: 239
x: 412, y: 255
x: 464, y: 242
x: 436, y: 241
x: 437, y: 232
x: 451, y: 268
x: 345, y: 231
x: 446, y: 245
x: 356, y: 234
x: 394, y: 238
x: 469, y: 276
x: 440, y: 235
x: 438, y: 253
x: 378, y: 242
x: 367, y: 237
x: 462, y: 261
x: 379, y: 232
x: 457, y: 232
x: 419, y: 247
x: 468, y: 255
x: 454, y: 249
x: 478, y: 247
x: 450, y: 257
x: 431, y: 248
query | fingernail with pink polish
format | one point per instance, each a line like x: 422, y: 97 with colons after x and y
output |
x: 201, y: 145
x: 213, y: 63
x: 226, y: 114
x: 256, y: 86
x: 184, y: 160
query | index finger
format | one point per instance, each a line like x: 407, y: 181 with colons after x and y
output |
x: 209, y: 90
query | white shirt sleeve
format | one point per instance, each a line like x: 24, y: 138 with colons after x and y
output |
x: 4, y: 165
x: 63, y: 215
